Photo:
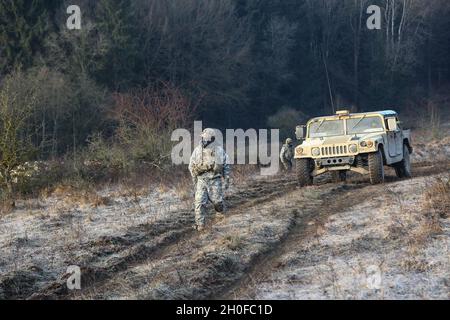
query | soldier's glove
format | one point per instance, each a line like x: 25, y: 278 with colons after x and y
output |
x: 218, y: 168
x: 226, y: 184
x: 202, y: 168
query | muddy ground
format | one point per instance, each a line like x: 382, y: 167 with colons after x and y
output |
x: 277, y: 241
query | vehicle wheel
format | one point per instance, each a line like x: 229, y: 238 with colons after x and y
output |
x: 303, y: 170
x: 403, y: 168
x: 376, y: 169
x: 339, y: 176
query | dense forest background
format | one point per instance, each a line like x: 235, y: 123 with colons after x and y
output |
x: 139, y: 68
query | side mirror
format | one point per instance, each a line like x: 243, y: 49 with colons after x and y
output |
x: 300, y: 132
x: 392, y: 124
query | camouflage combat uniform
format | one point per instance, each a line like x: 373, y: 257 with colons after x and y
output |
x: 208, y: 166
x: 287, y: 154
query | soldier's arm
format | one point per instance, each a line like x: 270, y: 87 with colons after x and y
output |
x: 193, y: 163
x: 282, y: 153
x: 226, y: 166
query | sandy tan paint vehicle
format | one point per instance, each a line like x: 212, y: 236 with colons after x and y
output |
x: 360, y: 142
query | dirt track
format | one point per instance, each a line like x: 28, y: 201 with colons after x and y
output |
x: 169, y: 260
x: 310, y: 228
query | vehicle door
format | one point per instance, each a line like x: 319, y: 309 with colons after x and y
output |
x: 399, y: 139
x: 391, y: 140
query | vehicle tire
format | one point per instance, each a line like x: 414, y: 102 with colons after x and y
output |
x: 403, y: 168
x: 339, y: 176
x: 303, y: 171
x: 376, y: 168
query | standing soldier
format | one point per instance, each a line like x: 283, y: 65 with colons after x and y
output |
x: 209, y: 166
x: 287, y: 154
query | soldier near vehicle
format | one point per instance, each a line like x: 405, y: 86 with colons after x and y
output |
x: 210, y: 171
x: 287, y: 154
x: 360, y: 142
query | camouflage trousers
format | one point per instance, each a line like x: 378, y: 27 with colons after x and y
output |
x: 208, y: 190
x: 287, y: 164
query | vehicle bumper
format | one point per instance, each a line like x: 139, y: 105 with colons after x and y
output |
x: 324, y: 165
x: 334, y: 161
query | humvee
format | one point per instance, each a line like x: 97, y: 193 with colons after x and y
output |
x: 359, y: 142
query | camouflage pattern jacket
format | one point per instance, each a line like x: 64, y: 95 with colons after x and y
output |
x: 287, y: 153
x: 209, y: 162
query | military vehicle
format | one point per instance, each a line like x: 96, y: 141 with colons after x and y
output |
x: 358, y: 142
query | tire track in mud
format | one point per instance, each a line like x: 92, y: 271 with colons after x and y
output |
x: 308, y: 227
x: 151, y: 240
x: 196, y: 266
x: 201, y: 266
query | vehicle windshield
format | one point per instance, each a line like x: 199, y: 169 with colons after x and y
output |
x: 326, y: 128
x: 360, y: 125
x: 364, y: 125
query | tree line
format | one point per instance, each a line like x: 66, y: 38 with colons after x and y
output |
x: 236, y: 63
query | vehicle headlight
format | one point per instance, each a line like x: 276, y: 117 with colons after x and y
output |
x: 366, y: 144
x: 353, y: 148
x: 315, y: 152
x: 299, y: 150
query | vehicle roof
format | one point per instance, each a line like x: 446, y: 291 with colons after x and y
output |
x: 384, y: 113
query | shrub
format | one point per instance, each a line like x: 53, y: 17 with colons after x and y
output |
x: 17, y: 105
x: 103, y: 160
x: 438, y: 197
x: 145, y: 119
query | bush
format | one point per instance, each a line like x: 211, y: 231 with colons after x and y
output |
x: 17, y: 106
x: 438, y: 197
x: 145, y: 119
x: 35, y: 113
x: 31, y: 177
x: 103, y: 160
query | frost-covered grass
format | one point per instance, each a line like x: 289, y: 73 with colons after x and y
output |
x: 47, y: 235
x: 394, y: 234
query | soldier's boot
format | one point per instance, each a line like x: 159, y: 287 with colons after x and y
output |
x: 220, y: 215
x: 200, y: 217
x: 220, y: 210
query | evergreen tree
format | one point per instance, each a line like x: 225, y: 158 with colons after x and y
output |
x: 23, y: 26
x: 116, y: 20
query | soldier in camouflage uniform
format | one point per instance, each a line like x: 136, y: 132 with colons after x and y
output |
x: 209, y: 166
x: 287, y: 154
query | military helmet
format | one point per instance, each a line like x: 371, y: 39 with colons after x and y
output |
x: 289, y: 141
x: 208, y: 134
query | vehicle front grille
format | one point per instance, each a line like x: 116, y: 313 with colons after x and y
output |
x: 334, y: 150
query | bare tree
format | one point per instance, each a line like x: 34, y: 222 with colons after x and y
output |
x: 198, y: 45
